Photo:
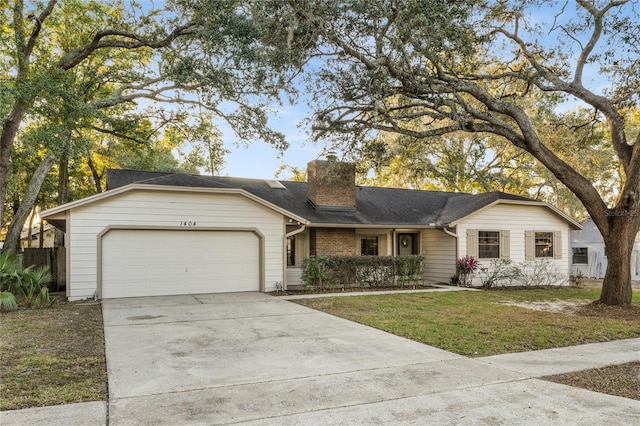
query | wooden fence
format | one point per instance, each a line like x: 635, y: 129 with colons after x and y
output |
x: 54, y: 258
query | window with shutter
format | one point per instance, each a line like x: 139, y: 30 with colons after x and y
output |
x: 488, y: 244
x: 542, y: 244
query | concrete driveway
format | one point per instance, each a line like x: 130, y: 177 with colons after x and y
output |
x: 253, y: 358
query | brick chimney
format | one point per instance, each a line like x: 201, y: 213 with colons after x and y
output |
x: 331, y: 183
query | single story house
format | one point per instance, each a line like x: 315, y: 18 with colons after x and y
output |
x: 588, y: 254
x: 155, y: 233
x: 32, y: 238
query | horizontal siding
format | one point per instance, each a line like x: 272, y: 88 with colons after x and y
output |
x: 439, y: 250
x: 158, y: 209
x: 294, y: 277
x: 517, y: 219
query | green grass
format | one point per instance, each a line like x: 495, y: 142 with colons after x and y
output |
x: 52, y: 356
x: 480, y: 324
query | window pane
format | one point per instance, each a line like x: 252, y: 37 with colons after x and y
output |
x: 291, y: 251
x: 369, y: 246
x: 544, y: 244
x: 488, y: 244
x: 580, y: 255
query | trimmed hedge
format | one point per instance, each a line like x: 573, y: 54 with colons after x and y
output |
x: 326, y: 272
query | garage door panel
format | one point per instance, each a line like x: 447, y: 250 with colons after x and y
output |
x: 158, y: 262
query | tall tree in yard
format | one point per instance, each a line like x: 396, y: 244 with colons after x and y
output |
x: 426, y: 69
x: 75, y: 66
x: 475, y: 162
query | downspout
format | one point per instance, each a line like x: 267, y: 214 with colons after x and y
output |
x: 296, y: 231
x: 446, y: 231
x: 454, y: 235
x: 286, y: 236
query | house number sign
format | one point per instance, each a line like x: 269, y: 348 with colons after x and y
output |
x: 187, y: 223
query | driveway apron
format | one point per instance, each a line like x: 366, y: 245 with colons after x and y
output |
x: 256, y: 359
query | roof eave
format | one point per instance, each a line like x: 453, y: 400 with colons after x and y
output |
x: 56, y: 211
x: 574, y: 224
x: 374, y: 226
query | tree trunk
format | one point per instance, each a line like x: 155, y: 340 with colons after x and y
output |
x: 616, y: 287
x: 63, y: 192
x: 7, y: 138
x: 41, y: 235
x: 12, y: 240
x: 30, y: 228
x: 94, y: 172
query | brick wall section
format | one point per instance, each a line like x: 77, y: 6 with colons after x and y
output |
x: 333, y: 241
x: 331, y: 183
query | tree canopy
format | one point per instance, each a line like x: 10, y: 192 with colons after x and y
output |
x: 124, y: 83
x: 426, y: 69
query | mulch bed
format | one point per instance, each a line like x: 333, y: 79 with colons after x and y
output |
x: 597, y: 309
x: 348, y: 290
x: 619, y: 380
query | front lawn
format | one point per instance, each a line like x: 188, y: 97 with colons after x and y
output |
x: 483, y: 323
x: 52, y: 356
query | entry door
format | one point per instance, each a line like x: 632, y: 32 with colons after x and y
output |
x: 407, y: 244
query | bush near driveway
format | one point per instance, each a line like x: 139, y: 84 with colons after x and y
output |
x: 52, y: 356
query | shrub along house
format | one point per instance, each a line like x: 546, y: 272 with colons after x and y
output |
x: 154, y: 233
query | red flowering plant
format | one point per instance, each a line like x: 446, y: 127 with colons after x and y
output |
x: 465, y: 267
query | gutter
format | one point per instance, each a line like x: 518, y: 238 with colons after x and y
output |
x: 296, y: 231
x: 446, y: 231
x: 287, y: 235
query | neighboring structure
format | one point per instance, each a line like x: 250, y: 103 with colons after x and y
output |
x: 32, y: 239
x: 588, y: 254
x: 158, y: 233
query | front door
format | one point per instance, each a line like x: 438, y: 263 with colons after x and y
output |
x: 407, y: 244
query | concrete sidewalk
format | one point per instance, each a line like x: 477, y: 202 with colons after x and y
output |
x: 255, y: 359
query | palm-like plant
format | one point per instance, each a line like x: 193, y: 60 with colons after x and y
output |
x: 9, y: 278
x: 28, y: 283
x: 34, y: 288
x: 8, y: 301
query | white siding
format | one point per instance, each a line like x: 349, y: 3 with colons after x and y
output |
x: 517, y: 219
x: 439, y: 250
x: 294, y: 278
x: 167, y: 210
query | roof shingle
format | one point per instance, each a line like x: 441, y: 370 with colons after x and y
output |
x: 374, y: 206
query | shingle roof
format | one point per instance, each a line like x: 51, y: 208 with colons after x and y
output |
x: 374, y: 206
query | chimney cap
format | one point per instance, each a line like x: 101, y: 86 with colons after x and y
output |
x: 331, y: 156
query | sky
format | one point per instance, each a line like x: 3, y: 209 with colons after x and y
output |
x: 262, y: 161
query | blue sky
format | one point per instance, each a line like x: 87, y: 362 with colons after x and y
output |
x: 260, y: 160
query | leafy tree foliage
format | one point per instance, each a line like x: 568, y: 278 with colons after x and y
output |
x: 464, y: 162
x: 424, y: 69
x: 85, y: 78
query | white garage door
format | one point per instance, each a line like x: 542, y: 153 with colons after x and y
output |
x: 158, y: 262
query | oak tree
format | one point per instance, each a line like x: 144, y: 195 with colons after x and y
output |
x: 72, y: 66
x: 426, y: 69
